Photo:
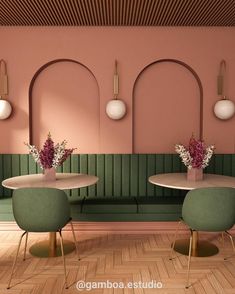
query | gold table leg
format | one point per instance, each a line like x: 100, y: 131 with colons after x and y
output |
x: 199, y: 248
x: 49, y: 248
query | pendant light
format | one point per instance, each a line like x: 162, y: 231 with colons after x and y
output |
x: 5, y: 106
x: 224, y: 108
x: 116, y: 108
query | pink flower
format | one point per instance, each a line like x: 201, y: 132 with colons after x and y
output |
x: 196, y: 155
x: 50, y: 155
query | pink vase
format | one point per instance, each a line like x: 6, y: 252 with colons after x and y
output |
x: 49, y: 174
x: 195, y: 174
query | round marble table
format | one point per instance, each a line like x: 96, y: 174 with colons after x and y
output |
x: 63, y: 181
x: 179, y: 181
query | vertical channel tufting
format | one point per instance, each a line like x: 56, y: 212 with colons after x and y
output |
x: 227, y: 164
x: 142, y: 175
x: 92, y: 171
x: 83, y: 170
x: 134, y: 167
x: 108, y: 175
x: 7, y: 171
x: 120, y: 175
x: 125, y: 175
x: 75, y: 168
x: 219, y: 164
x: 100, y: 174
x: 32, y: 166
x: 151, y: 167
x: 15, y: 162
x: 117, y: 175
x: 1, y: 175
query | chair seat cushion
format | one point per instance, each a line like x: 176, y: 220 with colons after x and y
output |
x: 160, y: 204
x: 109, y: 205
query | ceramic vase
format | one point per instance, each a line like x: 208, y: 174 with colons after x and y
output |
x: 195, y: 174
x: 49, y: 174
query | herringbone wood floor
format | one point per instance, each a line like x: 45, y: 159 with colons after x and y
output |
x: 117, y: 258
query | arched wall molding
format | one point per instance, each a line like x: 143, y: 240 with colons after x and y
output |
x: 31, y: 86
x: 193, y: 72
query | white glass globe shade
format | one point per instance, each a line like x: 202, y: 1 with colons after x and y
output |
x: 5, y: 109
x: 224, y: 109
x: 116, y: 109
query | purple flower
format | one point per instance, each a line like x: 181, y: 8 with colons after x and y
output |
x: 46, y: 155
x: 50, y: 155
x: 196, y: 155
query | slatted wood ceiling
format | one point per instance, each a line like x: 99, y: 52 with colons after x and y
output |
x: 117, y: 12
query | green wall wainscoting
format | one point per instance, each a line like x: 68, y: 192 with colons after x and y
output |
x: 122, y: 177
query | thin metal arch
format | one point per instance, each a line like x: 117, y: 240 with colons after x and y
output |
x: 31, y: 85
x: 200, y: 93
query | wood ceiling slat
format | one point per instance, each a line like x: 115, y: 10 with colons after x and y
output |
x: 117, y: 12
x: 149, y: 10
x: 25, y: 12
x: 84, y: 12
x: 224, y: 15
x: 163, y: 12
x: 143, y: 13
x: 9, y: 19
x: 79, y: 12
x: 188, y: 11
x: 45, y: 12
x: 132, y: 13
x: 62, y: 13
x: 91, y: 13
x: 199, y: 8
x: 153, y: 13
x: 12, y: 15
x: 98, y: 13
x: 167, y: 17
x: 76, y: 13
x: 211, y: 7
x: 55, y: 12
x: 69, y: 12
x: 157, y: 20
x: 179, y: 6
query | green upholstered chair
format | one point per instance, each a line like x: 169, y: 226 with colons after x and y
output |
x: 41, y: 210
x: 208, y: 209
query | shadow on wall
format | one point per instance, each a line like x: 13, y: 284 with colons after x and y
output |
x: 64, y: 99
x: 167, y: 106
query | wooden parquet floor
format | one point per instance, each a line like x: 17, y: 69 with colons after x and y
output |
x: 116, y: 258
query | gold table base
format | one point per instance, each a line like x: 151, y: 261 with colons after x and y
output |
x: 42, y: 249
x: 203, y: 248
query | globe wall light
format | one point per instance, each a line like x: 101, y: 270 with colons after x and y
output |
x: 224, y: 108
x: 5, y: 106
x: 116, y: 108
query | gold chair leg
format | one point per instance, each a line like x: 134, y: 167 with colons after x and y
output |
x: 25, y: 245
x: 14, y: 263
x: 75, y: 241
x: 231, y: 239
x: 62, y: 251
x: 189, y: 259
x: 173, y: 244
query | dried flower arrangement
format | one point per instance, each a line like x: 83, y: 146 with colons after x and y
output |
x: 196, y: 155
x: 50, y: 155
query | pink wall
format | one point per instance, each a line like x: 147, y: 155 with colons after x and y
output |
x: 166, y: 102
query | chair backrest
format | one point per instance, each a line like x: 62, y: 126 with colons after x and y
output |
x: 40, y: 209
x: 210, y: 209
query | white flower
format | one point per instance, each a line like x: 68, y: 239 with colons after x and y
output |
x: 184, y: 154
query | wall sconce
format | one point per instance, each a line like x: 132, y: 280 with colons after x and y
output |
x: 224, y: 108
x: 116, y: 108
x: 5, y: 106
